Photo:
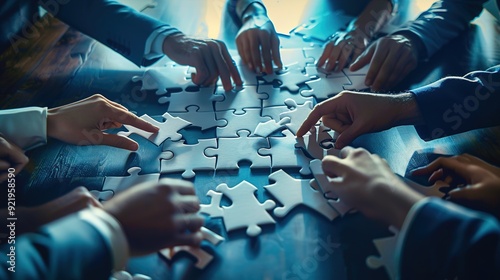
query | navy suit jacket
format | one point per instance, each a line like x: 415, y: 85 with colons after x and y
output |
x: 120, y: 27
x: 70, y: 248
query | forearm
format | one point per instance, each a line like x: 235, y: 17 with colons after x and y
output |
x: 373, y: 17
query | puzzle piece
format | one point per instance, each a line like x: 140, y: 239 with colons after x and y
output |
x: 387, y: 249
x: 247, y: 121
x: 265, y: 129
x: 232, y: 150
x: 213, y: 209
x: 290, y: 77
x: 326, y: 86
x: 202, y: 257
x: 244, y: 212
x: 204, y: 120
x: 168, y: 129
x: 327, y: 188
x: 237, y: 99
x: 164, y: 78
x: 274, y: 112
x: 103, y: 195
x: 124, y: 275
x: 272, y: 96
x: 292, y: 192
x: 203, y: 98
x: 117, y: 184
x: 281, y: 153
x: 188, y: 158
x: 318, y: 143
x: 357, y: 79
x: 294, y: 57
x: 297, y: 114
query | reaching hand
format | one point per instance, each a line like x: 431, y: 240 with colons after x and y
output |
x: 11, y: 156
x: 352, y: 114
x: 482, y: 180
x: 210, y: 58
x: 258, y: 43
x: 159, y: 215
x: 366, y: 183
x: 392, y: 58
x: 82, y: 123
x: 343, y: 48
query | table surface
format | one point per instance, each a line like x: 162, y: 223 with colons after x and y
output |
x: 63, y: 66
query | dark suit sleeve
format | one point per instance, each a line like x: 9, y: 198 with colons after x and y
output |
x: 457, y: 104
x: 445, y: 241
x: 119, y: 27
x: 66, y: 249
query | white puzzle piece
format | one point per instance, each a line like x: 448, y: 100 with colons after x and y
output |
x: 162, y: 79
x: 168, y: 129
x: 120, y: 183
x: 297, y: 114
x: 274, y: 112
x: 290, y: 78
x: 272, y: 96
x: 230, y: 151
x: 387, y: 249
x: 325, y: 87
x: 213, y: 209
x: 103, y: 195
x: 204, y: 120
x: 295, y: 57
x: 247, y: 121
x: 292, y: 192
x: 284, y: 154
x: 180, y: 101
x: 265, y: 129
x: 237, y: 99
x: 318, y: 143
x: 245, y: 211
x: 188, y: 158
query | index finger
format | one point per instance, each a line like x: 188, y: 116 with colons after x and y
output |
x: 317, y: 112
x: 450, y: 164
x: 233, y: 70
x: 125, y: 117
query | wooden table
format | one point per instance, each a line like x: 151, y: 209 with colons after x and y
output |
x: 62, y: 65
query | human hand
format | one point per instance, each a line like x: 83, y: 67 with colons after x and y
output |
x: 74, y: 201
x: 210, y: 58
x: 342, y: 48
x: 258, y: 43
x: 352, y: 114
x: 11, y: 156
x: 158, y: 215
x: 82, y: 123
x: 366, y: 183
x: 482, y: 180
x: 392, y: 59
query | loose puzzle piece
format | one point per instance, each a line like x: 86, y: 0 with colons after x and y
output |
x: 188, y: 158
x: 327, y: 188
x: 121, y: 183
x: 213, y: 209
x: 237, y: 99
x: 203, y: 98
x: 168, y: 129
x: 204, y: 120
x: 247, y: 121
x: 244, y: 212
x: 297, y: 114
x: 265, y: 129
x: 162, y: 79
x: 202, y: 257
x: 387, y: 249
x: 104, y: 195
x: 292, y: 192
x: 230, y: 151
x: 282, y: 156
x: 318, y: 143
x: 290, y: 78
x: 326, y: 86
x: 272, y: 96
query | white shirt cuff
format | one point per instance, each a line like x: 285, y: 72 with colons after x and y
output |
x: 25, y: 127
x: 111, y: 231
x: 154, y: 43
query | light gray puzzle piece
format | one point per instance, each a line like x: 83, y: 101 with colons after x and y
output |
x: 325, y: 87
x: 235, y: 122
x: 272, y: 96
x: 318, y: 142
x: 292, y: 192
x: 188, y: 158
x: 230, y: 151
x: 387, y: 249
x: 284, y: 154
x: 290, y: 78
x: 163, y: 78
x: 265, y: 129
x: 245, y: 211
x: 237, y: 99
x: 357, y: 78
x: 295, y: 57
x: 203, y: 98
x: 274, y: 112
x: 103, y: 195
x: 297, y: 114
x: 213, y: 209
x: 120, y: 183
x: 168, y: 129
x: 204, y: 120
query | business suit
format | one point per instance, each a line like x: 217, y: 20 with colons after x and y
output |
x: 441, y: 240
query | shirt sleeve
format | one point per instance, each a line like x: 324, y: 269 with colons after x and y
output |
x: 442, y: 240
x: 25, y: 127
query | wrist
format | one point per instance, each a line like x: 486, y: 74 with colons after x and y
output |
x: 406, y: 110
x: 170, y: 41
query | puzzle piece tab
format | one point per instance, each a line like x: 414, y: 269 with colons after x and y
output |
x: 297, y: 114
x: 203, y: 120
x: 235, y: 122
x: 203, y: 98
x: 237, y: 99
x: 188, y: 158
x: 387, y: 248
x: 162, y: 79
x: 290, y: 78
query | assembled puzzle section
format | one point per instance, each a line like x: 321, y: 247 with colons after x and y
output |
x: 118, y: 184
x: 188, y: 158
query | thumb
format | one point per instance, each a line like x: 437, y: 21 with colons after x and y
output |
x: 347, y: 136
x: 119, y: 141
x: 363, y: 59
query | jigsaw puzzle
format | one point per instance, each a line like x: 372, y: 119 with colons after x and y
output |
x: 101, y: 196
x: 274, y: 96
x: 203, y: 98
x: 244, y: 212
x: 265, y: 129
x: 168, y: 129
x: 318, y: 142
x: 203, y: 120
x: 235, y: 122
x: 292, y: 192
x: 117, y: 184
x: 237, y: 99
x: 290, y: 77
x: 162, y: 79
x: 387, y: 249
x: 326, y: 86
x: 188, y: 158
